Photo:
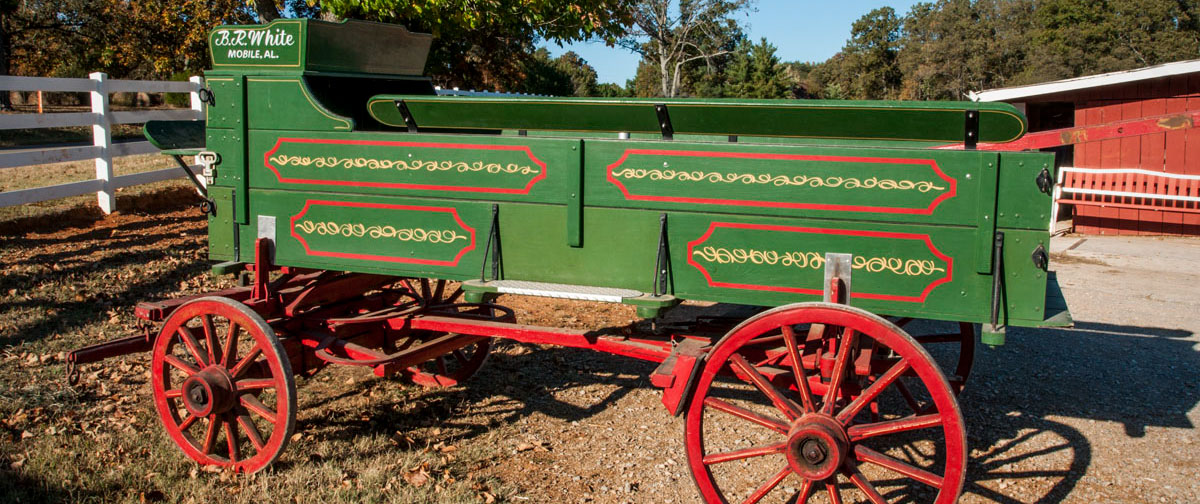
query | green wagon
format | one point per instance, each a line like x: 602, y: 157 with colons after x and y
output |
x: 375, y: 223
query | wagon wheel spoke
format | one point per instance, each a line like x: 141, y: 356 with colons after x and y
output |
x: 767, y: 486
x: 210, y: 435
x: 801, y: 495
x: 868, y: 455
x: 916, y: 422
x: 789, y: 408
x: 840, y: 363
x: 425, y: 294
x: 865, y: 485
x: 438, y: 290
x: 252, y: 403
x: 745, y: 414
x: 254, y: 384
x: 173, y: 394
x: 245, y: 362
x: 873, y: 391
x: 182, y: 366
x: 210, y: 338
x: 909, y: 398
x: 754, y: 451
x: 192, y: 345
x: 793, y: 350
x: 187, y: 421
x: 441, y: 365
x: 454, y: 295
x: 231, y: 439
x: 255, y: 437
x: 230, y: 351
x: 835, y: 497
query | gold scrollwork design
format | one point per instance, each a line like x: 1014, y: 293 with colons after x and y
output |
x: 815, y: 261
x: 401, y: 164
x: 354, y: 230
x: 776, y: 180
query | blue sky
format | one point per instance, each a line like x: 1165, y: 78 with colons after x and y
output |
x: 802, y: 30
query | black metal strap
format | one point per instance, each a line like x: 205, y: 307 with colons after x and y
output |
x: 664, y: 122
x: 191, y: 176
x: 662, y: 262
x: 408, y: 117
x: 997, y: 277
x: 492, y: 250
x: 971, y: 129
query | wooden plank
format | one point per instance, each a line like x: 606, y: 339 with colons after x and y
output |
x: 57, y: 120
x: 151, y: 176
x: 141, y: 116
x: 148, y: 86
x: 50, y: 84
x: 34, y: 195
x: 27, y: 157
x: 133, y: 148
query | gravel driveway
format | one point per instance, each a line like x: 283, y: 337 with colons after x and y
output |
x: 1104, y: 412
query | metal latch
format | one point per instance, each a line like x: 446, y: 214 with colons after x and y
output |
x: 208, y: 160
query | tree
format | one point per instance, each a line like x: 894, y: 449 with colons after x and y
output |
x: 583, y: 77
x: 484, y: 43
x: 872, y: 53
x: 670, y: 34
x: 755, y: 72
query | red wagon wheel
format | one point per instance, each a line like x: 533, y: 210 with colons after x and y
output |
x: 855, y: 409
x: 223, y: 385
x: 461, y: 364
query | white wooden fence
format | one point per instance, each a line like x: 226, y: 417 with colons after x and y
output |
x: 102, y: 149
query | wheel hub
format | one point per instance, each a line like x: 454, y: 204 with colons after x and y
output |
x: 817, y: 445
x: 211, y: 391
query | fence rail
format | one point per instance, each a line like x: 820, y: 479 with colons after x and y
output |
x: 101, y: 119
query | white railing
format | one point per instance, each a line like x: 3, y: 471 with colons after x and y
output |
x: 102, y: 150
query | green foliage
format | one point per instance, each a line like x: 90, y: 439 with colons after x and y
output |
x: 942, y: 50
x: 485, y: 43
x: 755, y: 72
x: 685, y: 41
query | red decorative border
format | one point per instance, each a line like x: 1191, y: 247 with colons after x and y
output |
x: 817, y: 292
x: 932, y: 164
x: 429, y: 187
x: 370, y: 257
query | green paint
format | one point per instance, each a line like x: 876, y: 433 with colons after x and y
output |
x: 908, y: 121
x: 281, y: 102
x: 221, y: 227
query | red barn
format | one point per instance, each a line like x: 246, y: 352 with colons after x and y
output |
x: 1120, y: 97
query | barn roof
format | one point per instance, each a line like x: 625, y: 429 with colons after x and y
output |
x: 1090, y: 81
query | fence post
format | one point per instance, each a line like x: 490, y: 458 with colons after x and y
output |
x: 197, y: 105
x: 102, y: 139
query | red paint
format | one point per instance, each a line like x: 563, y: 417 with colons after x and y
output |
x: 817, y: 292
x: 427, y: 187
x: 784, y: 204
x: 370, y: 257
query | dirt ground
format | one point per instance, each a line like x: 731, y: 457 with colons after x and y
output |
x: 1104, y: 412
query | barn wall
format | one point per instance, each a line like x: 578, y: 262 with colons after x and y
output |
x: 1171, y: 151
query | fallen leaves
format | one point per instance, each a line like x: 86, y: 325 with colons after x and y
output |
x: 417, y: 476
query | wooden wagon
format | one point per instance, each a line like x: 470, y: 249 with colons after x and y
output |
x: 376, y: 223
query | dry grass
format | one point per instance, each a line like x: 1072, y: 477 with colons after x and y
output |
x: 65, y: 287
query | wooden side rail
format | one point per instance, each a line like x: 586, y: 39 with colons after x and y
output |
x: 1126, y: 188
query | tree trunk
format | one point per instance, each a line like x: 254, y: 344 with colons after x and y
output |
x: 664, y: 75
x: 5, y: 101
x: 267, y: 11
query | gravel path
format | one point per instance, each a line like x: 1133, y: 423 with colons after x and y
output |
x: 1104, y: 412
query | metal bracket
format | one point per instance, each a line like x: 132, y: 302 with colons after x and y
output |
x: 191, y: 176
x: 1044, y: 182
x: 206, y: 96
x: 837, y: 277
x: 971, y: 130
x: 664, y: 122
x: 408, y: 117
x: 662, y: 262
x: 266, y: 230
x: 997, y: 278
x: 208, y: 161
x: 1039, y: 257
x: 492, y: 250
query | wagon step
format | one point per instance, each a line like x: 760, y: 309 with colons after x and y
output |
x: 648, y: 305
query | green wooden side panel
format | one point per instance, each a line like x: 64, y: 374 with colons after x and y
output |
x: 466, y: 167
x: 287, y: 103
x: 926, y: 186
x: 297, y: 45
x: 221, y: 226
x: 175, y: 135
x: 907, y: 121
x: 229, y: 99
x: 1024, y: 284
